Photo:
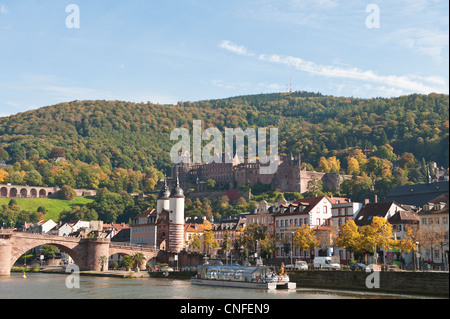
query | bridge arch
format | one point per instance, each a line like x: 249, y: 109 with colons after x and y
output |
x: 126, y: 251
x: 42, y: 193
x: 23, y: 193
x: 33, y: 193
x: 13, y: 192
x: 73, y: 253
x: 3, y: 192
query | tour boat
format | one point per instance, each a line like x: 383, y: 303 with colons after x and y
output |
x: 256, y: 277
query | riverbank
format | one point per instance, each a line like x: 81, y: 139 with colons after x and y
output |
x: 181, y: 275
x: 413, y: 283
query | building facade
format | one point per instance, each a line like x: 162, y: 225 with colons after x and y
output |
x: 434, y: 219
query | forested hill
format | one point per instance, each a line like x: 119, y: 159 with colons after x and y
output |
x: 105, y: 135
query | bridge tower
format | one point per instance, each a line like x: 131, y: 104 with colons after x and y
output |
x: 162, y: 203
x: 176, y: 218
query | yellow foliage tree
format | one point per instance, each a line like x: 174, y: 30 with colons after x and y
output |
x: 304, y: 238
x: 349, y: 237
x: 408, y: 242
x: 324, y: 166
x: 377, y: 234
x: 4, y: 175
x: 209, y: 241
x: 352, y: 166
x: 335, y: 164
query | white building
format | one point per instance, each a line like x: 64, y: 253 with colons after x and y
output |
x: 314, y: 211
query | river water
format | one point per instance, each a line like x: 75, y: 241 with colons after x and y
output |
x: 53, y: 286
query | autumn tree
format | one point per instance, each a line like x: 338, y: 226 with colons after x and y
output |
x: 324, y: 166
x: 4, y: 176
x: 209, y: 241
x: 378, y: 235
x: 408, y: 242
x: 304, y: 238
x: 352, y: 166
x: 267, y: 246
x: 349, y: 237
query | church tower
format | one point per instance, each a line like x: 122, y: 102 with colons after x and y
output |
x: 162, y: 203
x: 176, y: 218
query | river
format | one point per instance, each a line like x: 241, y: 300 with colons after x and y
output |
x: 53, y: 286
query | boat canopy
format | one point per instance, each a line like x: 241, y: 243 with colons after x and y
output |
x: 235, y: 273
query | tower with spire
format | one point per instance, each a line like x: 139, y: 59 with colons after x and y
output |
x: 162, y: 202
x: 176, y: 217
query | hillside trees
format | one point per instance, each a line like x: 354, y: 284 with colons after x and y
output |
x: 117, y: 144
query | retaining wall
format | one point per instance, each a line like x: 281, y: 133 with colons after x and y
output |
x: 422, y: 283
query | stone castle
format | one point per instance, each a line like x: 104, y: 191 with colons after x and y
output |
x: 234, y: 173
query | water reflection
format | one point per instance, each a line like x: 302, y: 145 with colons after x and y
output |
x: 51, y: 286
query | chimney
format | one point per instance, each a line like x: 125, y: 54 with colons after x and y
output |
x: 366, y: 201
x: 376, y: 199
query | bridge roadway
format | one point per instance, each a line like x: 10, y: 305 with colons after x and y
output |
x: 85, y: 252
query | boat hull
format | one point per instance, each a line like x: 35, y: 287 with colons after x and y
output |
x: 243, y: 284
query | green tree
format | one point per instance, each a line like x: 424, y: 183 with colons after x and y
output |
x: 211, y: 184
x: 16, y: 178
x: 33, y: 178
x: 66, y: 193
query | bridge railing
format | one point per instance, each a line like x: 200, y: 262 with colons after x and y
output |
x: 135, y: 246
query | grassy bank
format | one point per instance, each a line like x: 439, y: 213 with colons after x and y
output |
x: 54, y: 206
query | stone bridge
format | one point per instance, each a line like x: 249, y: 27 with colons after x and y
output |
x: 85, y: 252
x: 17, y: 191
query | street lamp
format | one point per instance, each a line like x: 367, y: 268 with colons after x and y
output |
x: 292, y: 244
x: 418, y: 256
x: 384, y: 247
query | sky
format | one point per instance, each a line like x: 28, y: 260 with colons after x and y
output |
x: 54, y: 51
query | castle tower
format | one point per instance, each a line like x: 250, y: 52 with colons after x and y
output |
x: 176, y: 218
x: 162, y: 203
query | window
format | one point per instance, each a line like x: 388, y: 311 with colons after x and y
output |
x: 318, y: 221
x: 437, y: 253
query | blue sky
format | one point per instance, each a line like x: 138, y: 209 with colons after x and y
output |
x: 190, y: 50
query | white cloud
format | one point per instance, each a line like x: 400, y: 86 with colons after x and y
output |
x: 3, y: 9
x: 230, y: 46
x: 423, y: 41
x: 407, y: 83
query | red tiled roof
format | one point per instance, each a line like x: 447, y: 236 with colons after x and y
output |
x: 147, y: 213
x: 341, y: 200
